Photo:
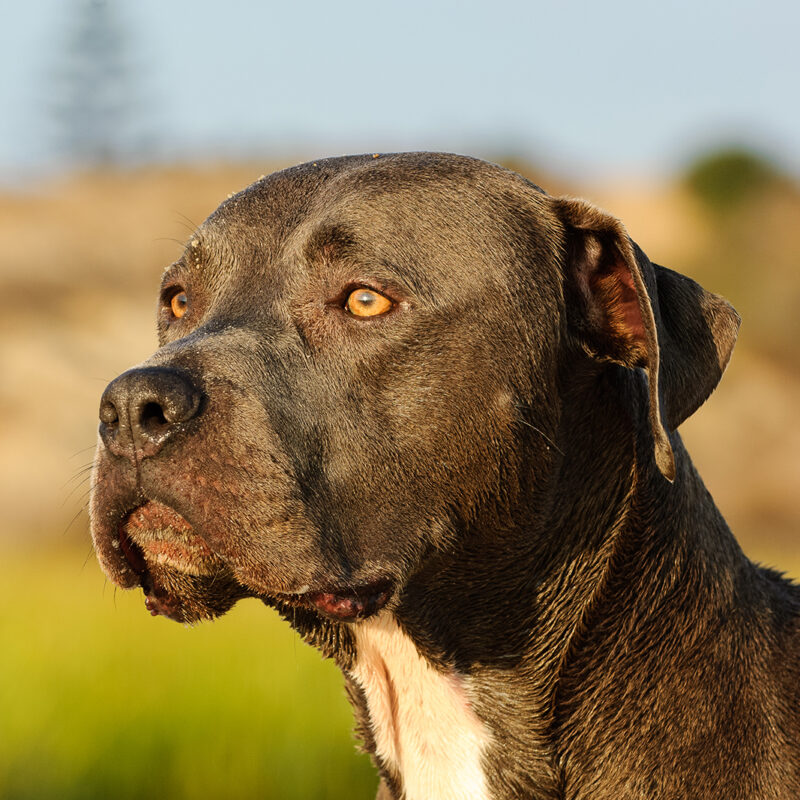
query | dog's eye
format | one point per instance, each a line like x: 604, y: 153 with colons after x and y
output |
x: 367, y: 303
x: 179, y: 304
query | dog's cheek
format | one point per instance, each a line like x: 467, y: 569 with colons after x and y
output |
x: 460, y: 451
x: 434, y: 441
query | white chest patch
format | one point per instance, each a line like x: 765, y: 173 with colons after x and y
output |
x: 421, y: 718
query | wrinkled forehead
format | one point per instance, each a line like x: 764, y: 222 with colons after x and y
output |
x: 435, y: 223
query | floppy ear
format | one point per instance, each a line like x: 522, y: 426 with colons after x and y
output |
x: 630, y: 312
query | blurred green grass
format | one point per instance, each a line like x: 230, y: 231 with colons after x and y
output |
x: 99, y: 700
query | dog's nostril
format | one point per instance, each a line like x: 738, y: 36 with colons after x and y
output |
x: 108, y: 413
x: 152, y: 419
x: 180, y: 406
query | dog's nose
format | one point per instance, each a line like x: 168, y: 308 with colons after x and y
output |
x: 142, y: 408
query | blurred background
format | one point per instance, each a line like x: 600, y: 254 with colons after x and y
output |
x: 123, y: 125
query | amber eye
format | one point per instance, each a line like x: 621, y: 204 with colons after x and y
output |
x: 367, y: 303
x: 179, y: 304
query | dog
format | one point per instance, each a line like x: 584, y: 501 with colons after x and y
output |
x: 428, y: 412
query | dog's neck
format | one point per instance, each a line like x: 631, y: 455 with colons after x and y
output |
x: 422, y: 727
x: 513, y: 610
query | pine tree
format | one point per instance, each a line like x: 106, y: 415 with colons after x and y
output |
x: 93, y: 106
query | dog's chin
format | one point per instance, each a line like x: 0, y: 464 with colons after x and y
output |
x: 187, y: 598
x: 156, y: 549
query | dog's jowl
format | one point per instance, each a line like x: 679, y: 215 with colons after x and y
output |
x: 428, y: 412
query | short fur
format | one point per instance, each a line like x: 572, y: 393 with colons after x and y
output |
x: 497, y: 455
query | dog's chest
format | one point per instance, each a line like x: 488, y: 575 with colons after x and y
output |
x: 423, y: 724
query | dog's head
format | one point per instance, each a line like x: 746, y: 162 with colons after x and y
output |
x: 359, y: 356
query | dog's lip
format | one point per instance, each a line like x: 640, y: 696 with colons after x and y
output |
x: 159, y: 602
x: 156, y: 599
x: 348, y: 604
x: 154, y: 533
x: 130, y: 550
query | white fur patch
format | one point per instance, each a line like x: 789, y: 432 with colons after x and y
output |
x: 421, y: 718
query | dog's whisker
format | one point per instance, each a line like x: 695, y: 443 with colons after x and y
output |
x: 80, y: 477
x: 83, y: 450
x: 92, y: 553
x: 77, y: 514
x: 84, y: 496
x: 541, y: 433
x: 190, y: 226
x: 79, y: 492
x: 179, y: 242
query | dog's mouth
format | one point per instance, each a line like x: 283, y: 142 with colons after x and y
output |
x: 182, y: 578
x: 157, y: 599
x: 179, y: 574
x: 344, y: 604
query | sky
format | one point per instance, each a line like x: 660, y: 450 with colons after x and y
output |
x: 588, y: 89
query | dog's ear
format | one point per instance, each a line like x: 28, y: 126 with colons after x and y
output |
x: 628, y: 311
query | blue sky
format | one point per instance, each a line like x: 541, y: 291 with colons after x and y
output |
x: 596, y: 89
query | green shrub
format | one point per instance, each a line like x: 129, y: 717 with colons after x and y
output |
x: 725, y: 179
